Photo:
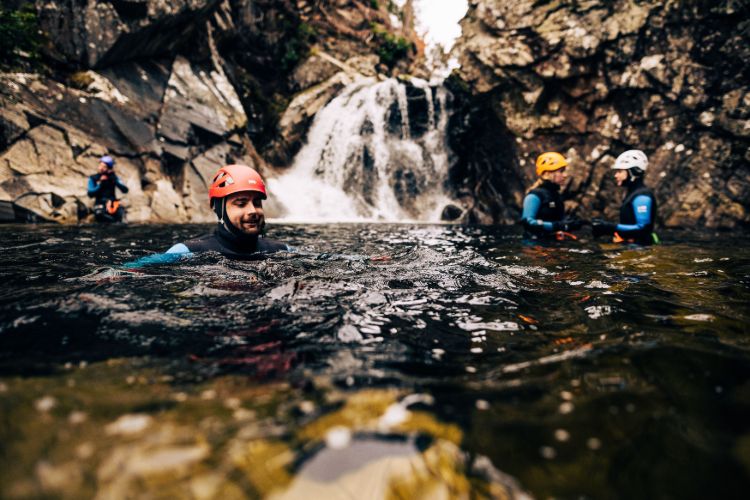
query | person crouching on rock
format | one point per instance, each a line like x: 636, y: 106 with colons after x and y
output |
x: 543, y: 209
x: 638, y: 210
x: 236, y: 196
x: 101, y: 187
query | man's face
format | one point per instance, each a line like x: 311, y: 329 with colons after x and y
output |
x: 245, y: 212
x: 621, y: 176
x: 103, y: 168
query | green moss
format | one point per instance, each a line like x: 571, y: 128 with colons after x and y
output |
x: 19, y: 38
x: 297, y: 47
x: 390, y: 48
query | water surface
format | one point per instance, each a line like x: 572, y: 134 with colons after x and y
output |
x: 386, y: 359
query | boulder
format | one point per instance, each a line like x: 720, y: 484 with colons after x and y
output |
x: 103, y: 33
x: 592, y: 79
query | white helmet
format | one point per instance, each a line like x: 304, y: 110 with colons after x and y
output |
x: 635, y: 158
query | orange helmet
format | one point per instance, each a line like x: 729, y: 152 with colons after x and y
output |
x: 233, y: 179
x: 549, y: 162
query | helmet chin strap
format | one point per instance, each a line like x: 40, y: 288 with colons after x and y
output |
x: 221, y: 213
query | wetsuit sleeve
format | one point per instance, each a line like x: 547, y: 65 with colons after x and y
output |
x: 120, y: 185
x: 531, y: 206
x: 174, y: 254
x: 93, y: 187
x: 179, y: 248
x: 642, y: 206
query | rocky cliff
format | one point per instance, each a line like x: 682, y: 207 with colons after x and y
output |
x: 172, y: 90
x: 593, y: 78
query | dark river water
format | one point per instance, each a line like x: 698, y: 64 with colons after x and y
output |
x: 380, y: 361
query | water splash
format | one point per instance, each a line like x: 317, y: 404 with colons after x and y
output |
x: 378, y: 151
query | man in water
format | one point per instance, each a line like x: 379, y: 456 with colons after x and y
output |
x: 638, y: 210
x: 236, y: 196
x: 102, y: 187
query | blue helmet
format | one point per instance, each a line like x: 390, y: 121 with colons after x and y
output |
x: 108, y: 160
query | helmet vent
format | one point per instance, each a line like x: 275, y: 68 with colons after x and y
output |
x: 227, y: 180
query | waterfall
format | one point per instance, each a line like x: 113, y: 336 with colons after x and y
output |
x: 378, y: 151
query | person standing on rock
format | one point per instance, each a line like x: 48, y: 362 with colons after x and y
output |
x: 543, y: 209
x: 102, y: 187
x: 638, y: 210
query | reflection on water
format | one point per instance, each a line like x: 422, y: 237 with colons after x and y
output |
x: 458, y: 362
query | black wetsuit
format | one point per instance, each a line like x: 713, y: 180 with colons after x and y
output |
x: 104, y: 190
x: 631, y: 228
x: 235, y: 247
x: 104, y: 195
x: 551, y: 209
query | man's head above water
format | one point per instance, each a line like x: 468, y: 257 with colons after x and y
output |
x: 236, y: 195
x: 244, y: 210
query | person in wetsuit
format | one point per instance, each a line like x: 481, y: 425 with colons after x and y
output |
x: 102, y: 187
x: 236, y: 196
x: 543, y: 209
x: 638, y: 210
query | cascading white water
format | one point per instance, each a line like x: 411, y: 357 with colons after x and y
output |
x: 365, y: 160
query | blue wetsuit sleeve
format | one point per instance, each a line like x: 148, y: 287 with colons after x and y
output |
x: 642, y: 206
x: 174, y: 254
x: 151, y: 260
x: 120, y: 185
x: 93, y: 187
x: 531, y: 206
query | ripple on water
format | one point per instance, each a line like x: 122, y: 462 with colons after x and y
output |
x: 457, y: 350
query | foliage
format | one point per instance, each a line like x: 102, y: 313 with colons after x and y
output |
x: 374, y: 4
x: 297, y: 47
x: 391, y: 48
x: 19, y: 37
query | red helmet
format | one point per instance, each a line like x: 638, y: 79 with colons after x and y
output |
x: 233, y: 179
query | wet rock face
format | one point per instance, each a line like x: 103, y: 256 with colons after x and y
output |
x: 172, y: 90
x: 168, y: 124
x: 593, y: 79
x: 93, y: 33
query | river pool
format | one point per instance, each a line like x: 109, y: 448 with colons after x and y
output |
x: 459, y: 361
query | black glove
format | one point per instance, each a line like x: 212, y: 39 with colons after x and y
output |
x: 569, y: 224
x: 601, y: 227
